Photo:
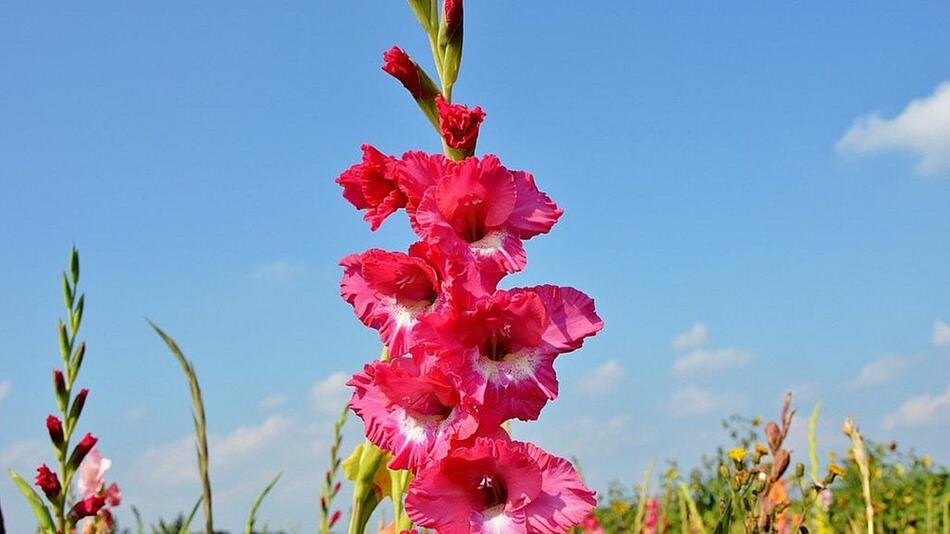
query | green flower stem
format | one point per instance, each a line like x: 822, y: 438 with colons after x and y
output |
x: 364, y: 491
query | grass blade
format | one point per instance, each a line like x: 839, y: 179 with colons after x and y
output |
x: 186, y: 526
x: 252, y: 517
x: 198, y: 415
x: 43, y: 518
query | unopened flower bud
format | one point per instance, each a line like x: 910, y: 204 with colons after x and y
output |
x: 799, y: 470
x: 87, y: 507
x: 47, y: 481
x: 398, y: 64
x: 782, y: 458
x: 773, y: 435
x: 78, y: 404
x: 55, y: 428
x: 82, y: 449
x: 59, y: 387
x: 453, y: 17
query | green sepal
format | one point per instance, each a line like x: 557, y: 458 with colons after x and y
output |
x: 43, y: 518
x: 67, y: 292
x: 74, y: 264
x: 76, y: 318
x: 424, y: 9
x: 64, y: 347
x: 76, y: 362
x: 451, y: 48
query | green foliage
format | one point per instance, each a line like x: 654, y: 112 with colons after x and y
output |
x: 252, y: 517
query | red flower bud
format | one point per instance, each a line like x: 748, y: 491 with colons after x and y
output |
x: 59, y: 383
x: 78, y: 403
x: 55, y: 428
x: 48, y: 482
x: 335, y: 517
x: 458, y: 124
x: 399, y: 65
x: 453, y: 16
x: 82, y: 449
x: 87, y: 507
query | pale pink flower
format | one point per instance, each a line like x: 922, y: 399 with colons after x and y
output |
x: 92, y: 474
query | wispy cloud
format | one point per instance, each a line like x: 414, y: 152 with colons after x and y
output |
x: 923, y: 128
x: 694, y: 337
x: 941, y: 334
x: 921, y: 411
x: 331, y: 393
x: 880, y: 371
x: 711, y: 360
x: 5, y: 387
x: 135, y: 414
x: 277, y: 272
x: 273, y: 401
x: 693, y: 400
x: 603, y: 380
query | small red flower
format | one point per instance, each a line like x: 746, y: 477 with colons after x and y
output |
x: 453, y: 16
x: 87, y: 507
x: 82, y: 449
x: 48, y: 482
x: 459, y: 124
x: 398, y: 64
x: 335, y: 517
x: 55, y: 428
x: 370, y: 185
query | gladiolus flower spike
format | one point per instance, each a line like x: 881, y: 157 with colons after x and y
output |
x: 461, y: 356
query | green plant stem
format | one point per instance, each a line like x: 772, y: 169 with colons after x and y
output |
x: 198, y: 417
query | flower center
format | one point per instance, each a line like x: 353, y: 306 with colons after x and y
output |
x: 493, y: 491
x: 495, y: 348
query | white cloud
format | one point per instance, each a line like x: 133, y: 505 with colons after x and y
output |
x: 922, y: 410
x: 923, y: 127
x: 277, y: 272
x: 694, y: 337
x: 880, y: 371
x: 331, y: 393
x: 28, y: 452
x: 273, y: 401
x: 603, y: 380
x: 941, y: 335
x: 5, y: 387
x: 135, y: 414
x: 711, y: 360
x: 692, y: 400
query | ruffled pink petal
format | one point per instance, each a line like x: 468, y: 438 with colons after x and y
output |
x: 571, y: 316
x: 498, y: 521
x: 535, y: 213
x: 402, y: 413
x: 518, y: 386
x: 370, y: 185
x: 415, y: 172
x: 564, y: 500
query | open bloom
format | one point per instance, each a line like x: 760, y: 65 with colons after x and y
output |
x: 91, y: 479
x: 495, y: 486
x: 490, y: 209
x: 371, y: 186
x: 459, y: 124
x: 392, y: 291
x: 505, y: 345
x: 417, y: 417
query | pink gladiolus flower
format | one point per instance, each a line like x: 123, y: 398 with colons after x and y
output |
x: 498, y: 486
x: 392, y: 291
x: 370, y: 185
x: 483, y: 205
x: 505, y: 345
x: 92, y: 473
x: 652, y: 516
x: 415, y: 416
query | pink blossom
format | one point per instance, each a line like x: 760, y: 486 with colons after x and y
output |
x: 505, y: 345
x: 370, y: 185
x: 490, y: 209
x: 417, y: 417
x: 652, y: 516
x: 590, y: 525
x: 92, y: 474
x: 392, y: 291
x: 497, y: 485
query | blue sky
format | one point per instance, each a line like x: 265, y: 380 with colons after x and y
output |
x: 754, y: 176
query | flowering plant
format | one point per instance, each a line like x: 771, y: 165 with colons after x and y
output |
x: 60, y: 513
x: 461, y: 357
